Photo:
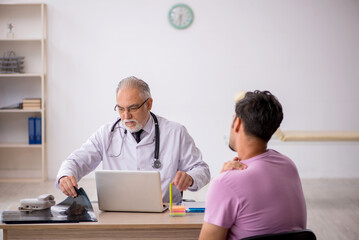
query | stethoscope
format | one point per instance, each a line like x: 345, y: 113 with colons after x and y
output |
x: 156, y: 162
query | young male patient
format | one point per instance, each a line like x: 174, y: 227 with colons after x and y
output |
x: 267, y: 196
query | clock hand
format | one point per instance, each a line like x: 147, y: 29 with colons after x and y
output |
x: 180, y: 19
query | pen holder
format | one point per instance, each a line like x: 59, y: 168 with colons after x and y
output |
x: 178, y: 211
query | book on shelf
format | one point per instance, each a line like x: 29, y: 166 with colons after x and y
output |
x: 31, y: 107
x: 31, y: 103
x: 31, y: 100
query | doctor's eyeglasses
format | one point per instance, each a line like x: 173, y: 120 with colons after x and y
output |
x: 131, y: 109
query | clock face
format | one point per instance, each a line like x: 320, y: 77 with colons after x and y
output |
x: 180, y: 16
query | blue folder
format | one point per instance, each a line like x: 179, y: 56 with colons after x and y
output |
x: 37, y: 130
x: 31, y: 125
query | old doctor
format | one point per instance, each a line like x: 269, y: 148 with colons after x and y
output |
x: 130, y: 144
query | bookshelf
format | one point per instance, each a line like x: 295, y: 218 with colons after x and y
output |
x: 19, y: 160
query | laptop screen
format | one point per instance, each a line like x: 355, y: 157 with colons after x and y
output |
x: 129, y: 191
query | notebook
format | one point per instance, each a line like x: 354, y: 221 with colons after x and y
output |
x: 129, y: 191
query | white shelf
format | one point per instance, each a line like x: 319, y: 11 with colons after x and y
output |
x: 21, y: 4
x: 20, y: 111
x: 19, y: 145
x: 9, y: 75
x: 22, y: 40
x: 20, y: 161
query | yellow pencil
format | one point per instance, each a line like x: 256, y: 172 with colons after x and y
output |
x: 170, y: 197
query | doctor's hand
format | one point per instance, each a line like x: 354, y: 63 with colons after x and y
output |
x: 235, y: 164
x: 67, y: 184
x: 182, y: 181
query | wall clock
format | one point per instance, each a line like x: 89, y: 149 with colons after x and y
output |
x: 180, y: 16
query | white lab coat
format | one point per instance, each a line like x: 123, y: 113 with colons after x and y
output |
x: 118, y: 150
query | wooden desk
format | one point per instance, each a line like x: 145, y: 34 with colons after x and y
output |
x: 112, y: 225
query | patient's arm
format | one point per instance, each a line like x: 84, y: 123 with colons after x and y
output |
x: 212, y: 232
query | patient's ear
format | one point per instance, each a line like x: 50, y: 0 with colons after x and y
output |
x: 237, y: 124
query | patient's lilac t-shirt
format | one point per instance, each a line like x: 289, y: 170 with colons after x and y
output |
x: 267, y: 197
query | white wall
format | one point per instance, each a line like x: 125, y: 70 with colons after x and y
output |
x: 305, y: 52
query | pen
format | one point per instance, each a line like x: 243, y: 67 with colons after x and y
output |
x: 195, y: 210
x: 170, y: 197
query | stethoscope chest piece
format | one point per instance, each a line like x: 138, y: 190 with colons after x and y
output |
x: 156, y: 164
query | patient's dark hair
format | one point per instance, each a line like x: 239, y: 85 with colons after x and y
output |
x: 261, y: 114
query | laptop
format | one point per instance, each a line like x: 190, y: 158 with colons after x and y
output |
x: 129, y: 191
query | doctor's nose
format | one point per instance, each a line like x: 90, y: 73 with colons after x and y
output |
x: 127, y: 114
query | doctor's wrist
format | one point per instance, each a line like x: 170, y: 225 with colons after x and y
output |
x: 58, y: 182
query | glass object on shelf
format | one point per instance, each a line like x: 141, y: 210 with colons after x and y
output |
x: 10, y: 31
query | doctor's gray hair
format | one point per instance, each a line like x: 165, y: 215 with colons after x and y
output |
x: 133, y: 82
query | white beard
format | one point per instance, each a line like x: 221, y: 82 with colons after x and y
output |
x: 134, y: 129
